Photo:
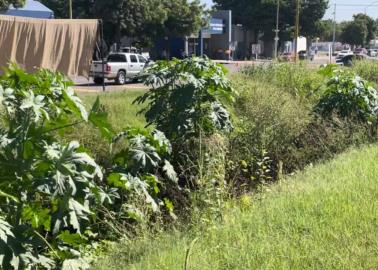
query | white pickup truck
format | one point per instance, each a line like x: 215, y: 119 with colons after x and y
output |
x: 119, y: 67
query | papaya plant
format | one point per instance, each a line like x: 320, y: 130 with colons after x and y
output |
x: 347, y: 95
x: 186, y: 97
x: 188, y: 101
x: 52, y: 194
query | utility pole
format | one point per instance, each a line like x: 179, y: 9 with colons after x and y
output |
x: 296, y: 32
x: 276, y: 39
x: 70, y: 7
x: 334, y: 29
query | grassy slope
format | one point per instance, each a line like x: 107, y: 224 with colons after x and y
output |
x: 121, y: 113
x: 323, y: 218
x: 120, y: 108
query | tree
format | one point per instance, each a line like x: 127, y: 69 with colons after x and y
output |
x: 143, y: 20
x: 260, y: 15
x: 354, y: 33
x: 183, y: 18
x: 371, y: 26
x: 129, y: 17
x: 359, y: 31
x: 324, y: 30
x: 4, y: 4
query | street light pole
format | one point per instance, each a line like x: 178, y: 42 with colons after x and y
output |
x: 276, y: 37
x: 334, y: 29
x: 70, y: 7
x: 296, y: 32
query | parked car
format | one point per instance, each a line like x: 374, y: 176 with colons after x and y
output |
x: 348, y: 60
x: 344, y: 53
x: 303, y: 55
x: 360, y: 51
x: 287, y: 56
x: 119, y: 67
x: 373, y: 52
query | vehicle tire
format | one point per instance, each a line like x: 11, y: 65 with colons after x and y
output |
x: 121, y: 78
x: 98, y: 80
x: 348, y: 63
x: 136, y: 79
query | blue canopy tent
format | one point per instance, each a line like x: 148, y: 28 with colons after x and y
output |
x: 32, y: 9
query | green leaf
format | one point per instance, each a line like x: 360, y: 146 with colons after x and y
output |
x: 73, y: 239
x: 34, y: 103
x: 75, y: 104
x: 28, y: 150
x: 134, y: 213
x: 77, y: 212
x: 5, y: 231
x: 37, y: 216
x: 99, y: 119
x: 143, y: 154
x: 114, y: 179
x: 170, y: 171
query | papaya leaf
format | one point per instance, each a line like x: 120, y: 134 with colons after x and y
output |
x: 99, y: 118
x: 170, y: 171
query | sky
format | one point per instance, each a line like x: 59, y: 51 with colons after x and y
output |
x: 343, y: 12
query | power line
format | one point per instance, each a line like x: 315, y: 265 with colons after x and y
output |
x: 355, y: 5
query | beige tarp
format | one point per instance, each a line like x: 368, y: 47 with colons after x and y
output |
x: 62, y: 45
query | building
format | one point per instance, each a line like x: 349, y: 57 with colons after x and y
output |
x: 220, y: 40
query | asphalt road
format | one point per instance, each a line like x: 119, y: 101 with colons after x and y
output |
x: 83, y: 85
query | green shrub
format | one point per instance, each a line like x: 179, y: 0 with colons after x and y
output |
x: 188, y: 102
x: 55, y: 200
x: 323, y: 138
x: 270, y: 120
x: 279, y: 133
x: 187, y: 97
x: 348, y: 95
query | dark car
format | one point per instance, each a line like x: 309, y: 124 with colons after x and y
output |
x: 303, y: 55
x: 287, y: 56
x: 347, y: 60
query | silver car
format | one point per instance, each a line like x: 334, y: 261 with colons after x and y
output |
x: 120, y: 67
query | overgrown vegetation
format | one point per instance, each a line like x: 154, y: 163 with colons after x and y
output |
x: 71, y: 179
x: 188, y: 101
x: 55, y: 199
x: 295, y: 124
x: 323, y: 218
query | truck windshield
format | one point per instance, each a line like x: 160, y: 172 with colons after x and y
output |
x: 116, y: 58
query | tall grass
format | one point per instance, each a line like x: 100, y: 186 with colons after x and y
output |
x: 296, y: 79
x: 367, y: 69
x: 119, y: 106
x: 121, y: 113
x: 323, y: 218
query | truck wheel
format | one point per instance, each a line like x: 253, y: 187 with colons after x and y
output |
x: 348, y: 63
x: 121, y: 77
x: 98, y: 80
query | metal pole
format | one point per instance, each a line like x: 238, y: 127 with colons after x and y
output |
x: 276, y: 37
x: 334, y: 29
x: 201, y: 43
x: 102, y: 53
x: 296, y: 32
x: 70, y: 7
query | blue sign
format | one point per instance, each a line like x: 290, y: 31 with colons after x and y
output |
x: 216, y: 27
